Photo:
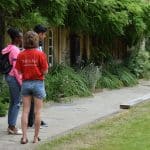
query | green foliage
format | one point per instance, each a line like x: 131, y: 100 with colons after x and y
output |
x: 4, y: 97
x: 27, y: 13
x: 123, y: 73
x: 65, y: 82
x: 36, y: 17
x: 28, y: 21
x: 4, y: 91
x: 139, y: 63
x: 147, y: 46
x: 115, y: 76
x: 109, y: 80
x: 109, y: 18
x: 54, y: 10
x: 146, y: 18
x: 76, y: 17
x: 3, y: 109
x: 118, y: 21
x: 101, y: 55
x: 91, y: 74
x: 12, y: 12
x: 9, y: 7
x: 127, y: 78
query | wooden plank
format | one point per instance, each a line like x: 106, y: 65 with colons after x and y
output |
x: 133, y: 102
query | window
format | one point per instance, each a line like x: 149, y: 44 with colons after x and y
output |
x: 50, y: 48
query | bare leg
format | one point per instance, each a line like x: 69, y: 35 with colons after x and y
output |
x: 31, y: 114
x: 38, y: 103
x: 25, y: 113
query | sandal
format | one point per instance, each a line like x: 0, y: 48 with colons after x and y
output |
x: 36, y: 140
x: 24, y: 142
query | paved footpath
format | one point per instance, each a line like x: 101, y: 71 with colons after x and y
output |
x: 64, y: 117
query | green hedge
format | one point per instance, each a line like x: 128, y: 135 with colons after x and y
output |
x: 4, y: 97
x: 63, y: 81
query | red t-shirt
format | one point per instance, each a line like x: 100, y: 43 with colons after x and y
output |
x: 32, y: 64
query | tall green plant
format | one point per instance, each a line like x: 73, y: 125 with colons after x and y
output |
x: 4, y: 97
x: 91, y: 74
x: 63, y: 81
x: 139, y: 63
x: 108, y: 80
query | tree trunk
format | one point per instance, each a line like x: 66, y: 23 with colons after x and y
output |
x: 2, y: 30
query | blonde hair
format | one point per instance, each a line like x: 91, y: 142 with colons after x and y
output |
x: 31, y: 40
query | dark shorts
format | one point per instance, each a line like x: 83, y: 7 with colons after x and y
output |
x: 35, y: 88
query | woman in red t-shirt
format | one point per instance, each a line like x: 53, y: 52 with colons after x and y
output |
x: 32, y: 64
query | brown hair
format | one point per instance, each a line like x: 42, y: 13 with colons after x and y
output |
x: 31, y: 40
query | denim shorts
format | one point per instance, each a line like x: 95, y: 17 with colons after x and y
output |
x: 35, y: 88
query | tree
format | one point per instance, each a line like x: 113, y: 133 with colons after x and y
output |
x: 9, y: 11
x: 109, y: 18
x: 26, y: 13
x: 105, y: 18
x: 53, y: 10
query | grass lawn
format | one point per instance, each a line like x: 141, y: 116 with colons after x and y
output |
x: 128, y: 130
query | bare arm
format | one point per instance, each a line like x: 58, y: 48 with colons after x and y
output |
x: 45, y: 72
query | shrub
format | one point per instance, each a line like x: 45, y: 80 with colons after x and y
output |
x: 123, y: 74
x: 63, y: 81
x: 91, y: 74
x: 116, y: 75
x: 139, y: 63
x: 3, y: 109
x: 127, y: 78
x: 109, y: 80
x: 4, y: 97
